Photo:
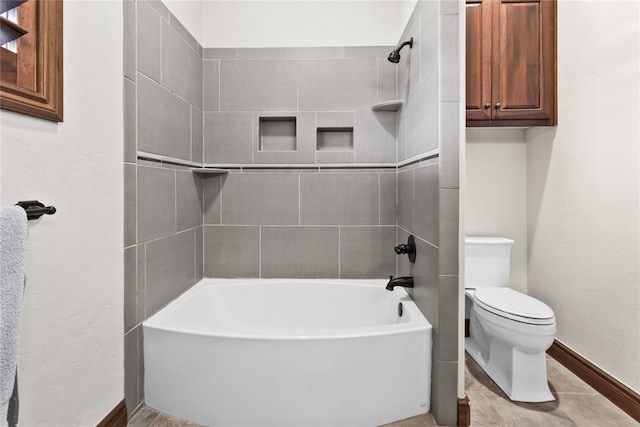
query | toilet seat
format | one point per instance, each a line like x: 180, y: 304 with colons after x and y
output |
x: 510, y: 304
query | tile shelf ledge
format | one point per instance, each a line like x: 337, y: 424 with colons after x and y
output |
x: 393, y: 105
x: 142, y: 155
x: 195, y: 167
x: 210, y: 171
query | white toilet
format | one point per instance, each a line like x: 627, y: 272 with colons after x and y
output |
x: 509, y: 331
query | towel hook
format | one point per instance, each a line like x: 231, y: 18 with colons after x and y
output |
x: 35, y: 209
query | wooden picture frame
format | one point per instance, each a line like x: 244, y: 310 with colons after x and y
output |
x: 41, y: 67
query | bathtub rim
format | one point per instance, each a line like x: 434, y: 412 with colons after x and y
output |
x: 418, y: 321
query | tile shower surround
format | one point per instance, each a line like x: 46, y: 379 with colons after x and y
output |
x: 331, y: 90
x: 420, y: 199
x: 262, y: 213
x: 163, y: 203
x: 295, y: 224
x: 167, y: 257
x: 428, y: 191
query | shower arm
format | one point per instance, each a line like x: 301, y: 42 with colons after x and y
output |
x: 409, y: 42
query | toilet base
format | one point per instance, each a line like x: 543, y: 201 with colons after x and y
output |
x: 522, y: 376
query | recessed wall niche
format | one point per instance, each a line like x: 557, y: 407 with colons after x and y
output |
x: 278, y: 134
x: 334, y: 139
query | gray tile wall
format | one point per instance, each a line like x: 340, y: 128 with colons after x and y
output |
x: 164, y: 256
x: 428, y: 192
x: 169, y: 82
x: 318, y: 86
x: 318, y: 223
x: 204, y: 105
x: 328, y: 223
x: 163, y: 205
x: 419, y: 83
x: 445, y: 372
x: 258, y: 85
x: 430, y: 213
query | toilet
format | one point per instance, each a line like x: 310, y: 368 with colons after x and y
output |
x: 509, y: 331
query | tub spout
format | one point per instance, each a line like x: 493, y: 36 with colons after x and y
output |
x: 406, y: 282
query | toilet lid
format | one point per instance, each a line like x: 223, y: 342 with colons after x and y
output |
x: 514, y: 305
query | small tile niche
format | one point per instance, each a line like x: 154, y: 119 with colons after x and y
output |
x: 278, y: 134
x: 334, y: 139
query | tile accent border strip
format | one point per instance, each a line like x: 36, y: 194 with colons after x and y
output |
x: 464, y: 411
x: 164, y: 160
x: 117, y: 417
x: 621, y: 395
x: 419, y: 158
x: 187, y: 163
x: 313, y: 166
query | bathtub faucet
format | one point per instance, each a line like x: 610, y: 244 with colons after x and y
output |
x: 406, y: 282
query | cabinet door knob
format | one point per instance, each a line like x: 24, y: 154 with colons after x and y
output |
x: 498, y: 105
x: 487, y: 105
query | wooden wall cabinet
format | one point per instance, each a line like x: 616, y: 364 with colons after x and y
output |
x: 31, y: 81
x: 511, y: 63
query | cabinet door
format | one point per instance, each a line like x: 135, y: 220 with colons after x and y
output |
x: 523, y: 73
x: 478, y: 66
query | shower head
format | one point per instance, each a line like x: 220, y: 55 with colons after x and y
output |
x: 395, y: 55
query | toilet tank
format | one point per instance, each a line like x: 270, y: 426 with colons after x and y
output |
x: 487, y: 261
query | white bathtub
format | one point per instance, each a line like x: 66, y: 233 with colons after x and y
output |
x: 288, y: 352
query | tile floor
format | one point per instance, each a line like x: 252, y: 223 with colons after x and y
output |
x: 147, y: 417
x: 576, y: 404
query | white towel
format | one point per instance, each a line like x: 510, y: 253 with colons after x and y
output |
x: 13, y: 235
